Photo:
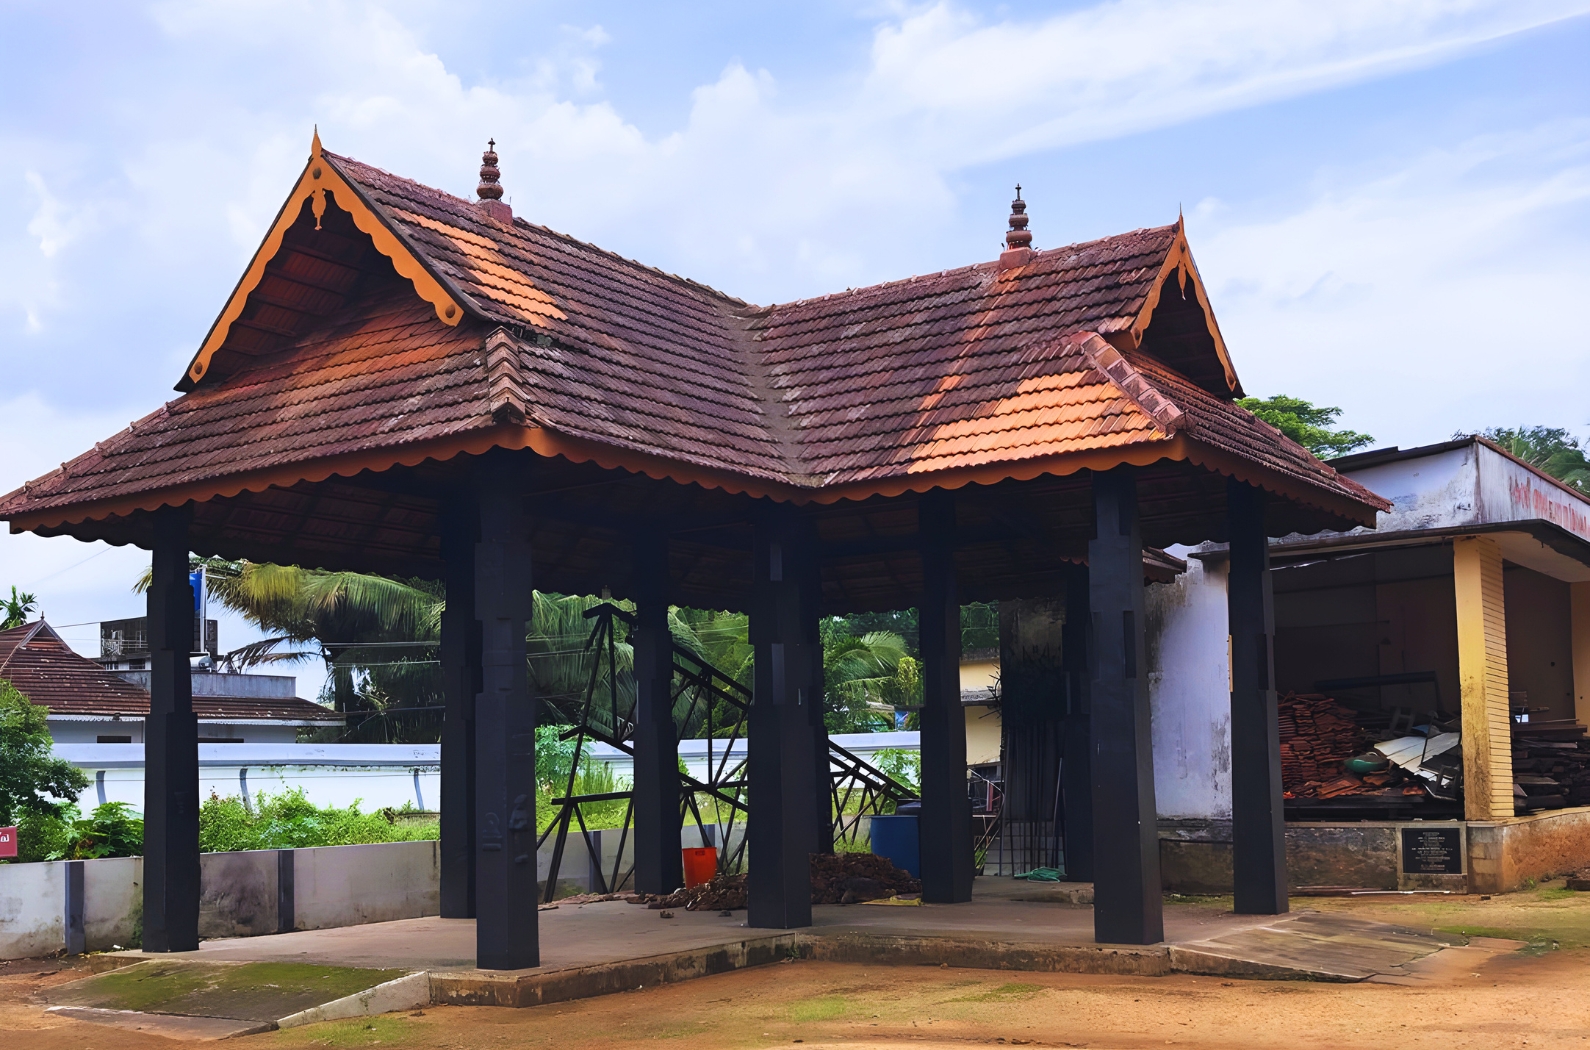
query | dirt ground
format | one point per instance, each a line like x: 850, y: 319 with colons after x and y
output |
x: 1532, y: 998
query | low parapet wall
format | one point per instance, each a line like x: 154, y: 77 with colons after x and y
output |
x: 241, y: 894
x: 1506, y: 855
x: 1498, y: 856
x: 254, y: 892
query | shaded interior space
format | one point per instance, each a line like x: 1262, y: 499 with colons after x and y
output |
x: 1372, y: 636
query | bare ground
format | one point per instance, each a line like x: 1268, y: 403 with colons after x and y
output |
x: 1533, y: 998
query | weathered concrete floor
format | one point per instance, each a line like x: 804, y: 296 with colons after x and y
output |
x: 183, y: 997
x: 592, y: 948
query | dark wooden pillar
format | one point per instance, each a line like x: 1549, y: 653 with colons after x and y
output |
x: 506, y: 936
x: 171, y: 748
x: 1076, y: 766
x: 1258, y: 827
x: 1127, y: 908
x: 946, y: 824
x: 658, y: 866
x: 782, y: 826
x: 460, y: 656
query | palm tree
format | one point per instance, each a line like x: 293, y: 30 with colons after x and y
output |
x: 376, y: 635
x: 866, y: 677
x: 17, y: 609
x: 378, y: 638
x: 1551, y: 449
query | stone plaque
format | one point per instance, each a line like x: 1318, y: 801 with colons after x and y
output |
x: 1432, y: 851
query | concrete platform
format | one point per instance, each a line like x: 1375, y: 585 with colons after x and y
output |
x: 608, y: 946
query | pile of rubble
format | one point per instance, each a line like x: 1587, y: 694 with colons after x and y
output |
x: 849, y: 878
x: 837, y: 878
x: 721, y: 893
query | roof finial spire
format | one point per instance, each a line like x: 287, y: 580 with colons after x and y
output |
x: 1018, y: 239
x: 490, y: 189
x: 1019, y: 236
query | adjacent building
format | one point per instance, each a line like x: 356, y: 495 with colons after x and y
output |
x: 1459, y: 626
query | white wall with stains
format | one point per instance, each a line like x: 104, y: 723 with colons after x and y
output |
x: 1189, y: 691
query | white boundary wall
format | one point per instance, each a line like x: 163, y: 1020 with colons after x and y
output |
x: 374, y: 775
x: 239, y: 892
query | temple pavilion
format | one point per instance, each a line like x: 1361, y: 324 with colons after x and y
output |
x: 406, y: 382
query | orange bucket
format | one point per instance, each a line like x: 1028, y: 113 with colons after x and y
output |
x: 701, y: 863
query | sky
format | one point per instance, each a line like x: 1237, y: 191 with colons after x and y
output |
x: 1389, y: 200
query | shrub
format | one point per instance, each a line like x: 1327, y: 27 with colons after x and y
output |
x: 30, y: 777
x: 43, y: 836
x: 596, y: 778
x: 904, y: 766
x: 111, y: 831
x: 291, y: 821
x: 555, y: 757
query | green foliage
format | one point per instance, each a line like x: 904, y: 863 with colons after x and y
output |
x: 30, y: 776
x: 1307, y: 424
x: 17, y: 609
x: 358, y: 624
x: 863, y: 680
x: 111, y: 831
x: 595, y: 778
x: 904, y: 766
x: 290, y: 821
x: 1549, y: 449
x: 561, y: 665
x: 902, y: 622
x: 980, y: 626
x: 722, y: 639
x: 555, y: 757
x: 43, y: 836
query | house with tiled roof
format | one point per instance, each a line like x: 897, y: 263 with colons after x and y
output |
x: 89, y: 704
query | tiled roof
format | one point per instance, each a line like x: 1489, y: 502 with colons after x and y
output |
x: 43, y: 668
x: 970, y: 369
x: 638, y: 358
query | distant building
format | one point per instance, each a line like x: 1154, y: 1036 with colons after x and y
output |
x: 124, y: 644
x: 89, y: 704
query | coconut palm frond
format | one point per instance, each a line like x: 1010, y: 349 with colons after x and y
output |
x: 268, y: 651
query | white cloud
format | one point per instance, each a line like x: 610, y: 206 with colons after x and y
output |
x: 1433, y: 298
x: 993, y: 90
x: 759, y: 191
x: 771, y: 187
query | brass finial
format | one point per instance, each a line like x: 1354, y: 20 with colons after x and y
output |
x: 1018, y: 236
x: 489, y: 189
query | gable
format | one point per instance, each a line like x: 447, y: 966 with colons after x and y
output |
x: 324, y: 246
x: 1177, y: 327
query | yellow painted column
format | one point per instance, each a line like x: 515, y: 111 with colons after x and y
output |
x: 1579, y: 618
x: 1482, y: 672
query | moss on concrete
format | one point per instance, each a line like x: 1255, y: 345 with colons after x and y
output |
x: 1544, y: 915
x: 262, y: 991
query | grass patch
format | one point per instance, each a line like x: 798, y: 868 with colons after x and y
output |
x: 251, y: 991
x: 357, y: 1031
x: 1540, y: 916
x: 822, y: 1008
x: 1005, y: 993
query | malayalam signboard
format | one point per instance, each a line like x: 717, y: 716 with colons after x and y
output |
x: 8, y: 842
